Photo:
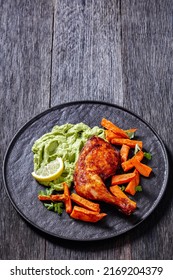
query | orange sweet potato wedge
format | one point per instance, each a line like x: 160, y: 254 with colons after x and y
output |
x: 110, y: 126
x: 111, y: 135
x: 67, y: 199
x: 85, y: 202
x: 128, y: 142
x: 122, y: 178
x: 143, y: 169
x: 124, y: 152
x: 131, y: 187
x: 127, y: 165
x: 86, y: 215
x: 54, y: 198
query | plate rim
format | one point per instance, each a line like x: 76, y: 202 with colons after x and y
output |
x: 72, y: 103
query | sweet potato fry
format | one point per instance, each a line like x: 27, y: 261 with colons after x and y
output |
x: 122, y: 178
x: 44, y: 197
x: 110, y: 135
x: 57, y: 197
x: 127, y: 165
x: 86, y: 215
x: 143, y: 169
x: 109, y: 125
x: 128, y: 142
x: 116, y: 191
x: 124, y: 152
x: 85, y: 202
x: 131, y: 187
x: 54, y: 198
x: 67, y: 199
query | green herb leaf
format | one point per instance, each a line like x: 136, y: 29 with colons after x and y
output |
x: 49, y: 206
x: 130, y: 134
x: 122, y: 188
x: 46, y: 192
x: 58, y: 207
x: 138, y: 188
x: 147, y: 155
x: 55, y: 207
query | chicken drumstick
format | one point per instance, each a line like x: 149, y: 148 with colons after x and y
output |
x: 98, y: 160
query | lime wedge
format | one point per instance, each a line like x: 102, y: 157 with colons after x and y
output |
x: 49, y: 172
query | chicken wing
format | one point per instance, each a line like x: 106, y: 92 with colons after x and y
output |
x: 98, y: 160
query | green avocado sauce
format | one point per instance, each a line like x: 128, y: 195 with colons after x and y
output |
x: 64, y: 141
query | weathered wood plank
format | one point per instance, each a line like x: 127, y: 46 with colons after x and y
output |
x: 25, y: 59
x: 87, y: 51
x: 87, y: 65
x: 57, y: 51
x: 116, y: 248
x: 147, y: 34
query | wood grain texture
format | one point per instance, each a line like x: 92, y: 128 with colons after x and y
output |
x: 86, y: 64
x: 147, y: 34
x: 56, y: 51
x: 87, y: 51
x: 25, y: 59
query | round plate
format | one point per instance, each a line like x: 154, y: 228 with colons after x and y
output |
x: 23, y: 189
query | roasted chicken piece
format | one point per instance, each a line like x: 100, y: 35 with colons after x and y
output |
x: 97, y: 161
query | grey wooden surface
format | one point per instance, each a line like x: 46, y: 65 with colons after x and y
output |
x: 56, y: 51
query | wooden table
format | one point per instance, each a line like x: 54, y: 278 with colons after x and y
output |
x: 59, y: 51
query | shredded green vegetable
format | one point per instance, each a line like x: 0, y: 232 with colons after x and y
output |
x: 56, y: 207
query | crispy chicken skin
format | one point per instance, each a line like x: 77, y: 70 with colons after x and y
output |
x: 98, y: 160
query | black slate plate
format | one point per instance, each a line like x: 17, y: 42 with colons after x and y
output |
x: 23, y: 189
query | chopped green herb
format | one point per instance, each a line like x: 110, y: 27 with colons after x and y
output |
x: 122, y: 188
x: 46, y: 192
x: 56, y: 207
x: 49, y: 206
x: 147, y: 155
x: 138, y: 188
x: 130, y: 134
